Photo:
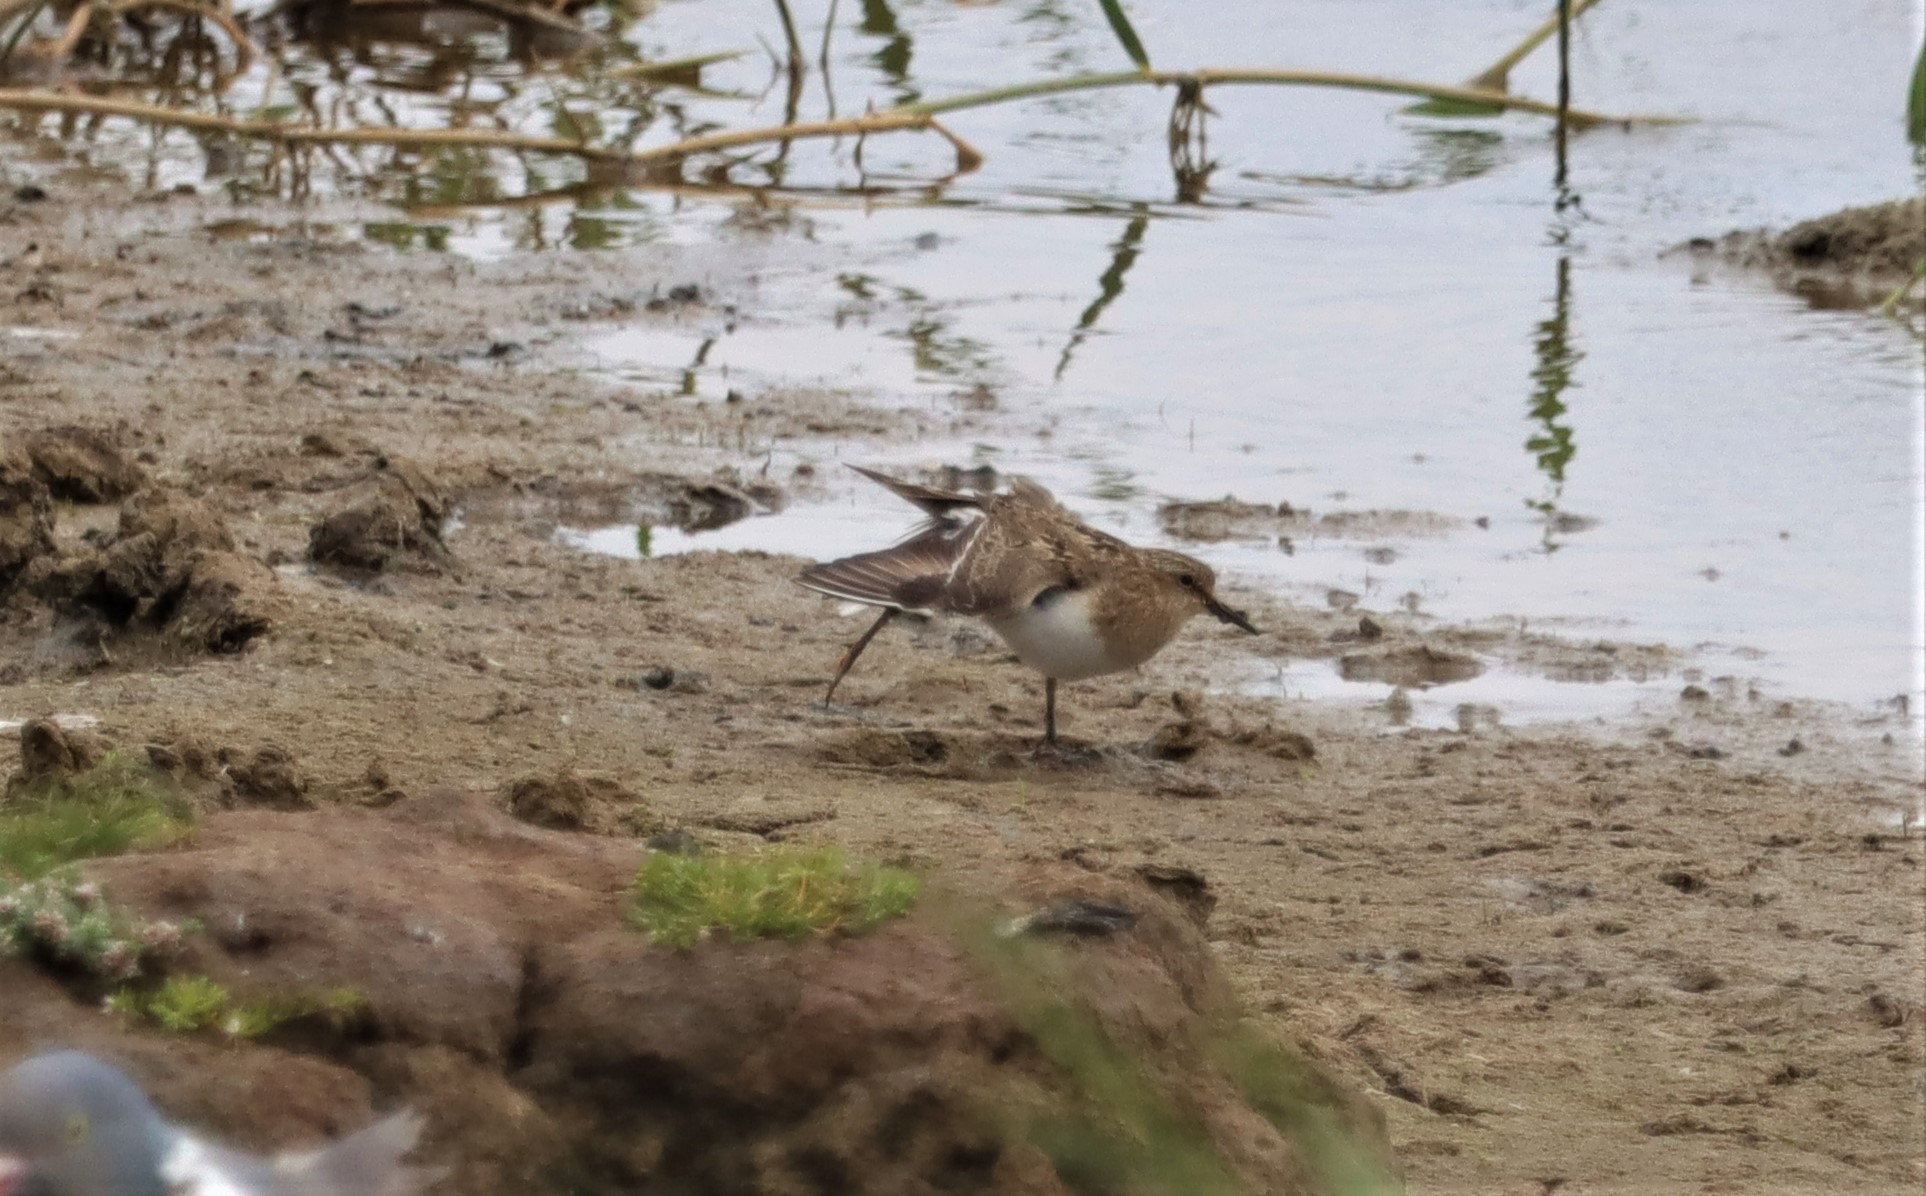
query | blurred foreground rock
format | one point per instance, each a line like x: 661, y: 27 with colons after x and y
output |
x: 554, y: 1049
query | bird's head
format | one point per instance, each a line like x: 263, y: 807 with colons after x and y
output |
x: 1192, y: 581
x: 70, y: 1125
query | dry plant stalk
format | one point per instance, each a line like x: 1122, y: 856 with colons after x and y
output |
x: 968, y: 158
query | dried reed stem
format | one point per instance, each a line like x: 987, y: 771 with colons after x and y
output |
x: 967, y: 156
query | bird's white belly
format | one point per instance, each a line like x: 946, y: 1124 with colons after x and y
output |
x: 1059, y: 640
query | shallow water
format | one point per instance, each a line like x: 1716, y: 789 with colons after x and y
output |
x: 1364, y: 310
x: 1743, y: 470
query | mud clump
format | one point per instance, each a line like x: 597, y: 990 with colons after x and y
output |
x: 1279, y: 742
x: 1183, y: 738
x: 83, y: 464
x: 51, y: 754
x: 171, y: 568
x: 26, y: 518
x: 870, y: 747
x: 1209, y: 522
x: 572, y: 801
x: 268, y: 778
x: 1850, y: 258
x: 1176, y: 741
x: 558, y: 803
x: 710, y: 505
x: 394, y: 520
x: 1228, y: 519
x: 1882, y: 240
x: 1415, y: 667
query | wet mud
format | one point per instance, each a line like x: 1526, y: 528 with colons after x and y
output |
x: 333, y: 603
x: 1855, y: 257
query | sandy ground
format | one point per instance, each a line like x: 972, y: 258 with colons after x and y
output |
x: 1665, y: 957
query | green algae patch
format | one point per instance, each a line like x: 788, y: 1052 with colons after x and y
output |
x: 781, y: 893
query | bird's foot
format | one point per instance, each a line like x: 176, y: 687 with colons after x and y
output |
x: 841, y: 710
x: 1066, y: 753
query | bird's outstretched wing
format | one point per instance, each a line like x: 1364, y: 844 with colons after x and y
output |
x: 1034, y: 543
x: 912, y: 576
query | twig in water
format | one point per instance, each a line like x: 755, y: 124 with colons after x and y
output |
x: 822, y: 60
x: 1564, y: 91
x: 968, y: 158
x: 1214, y: 76
x: 789, y: 33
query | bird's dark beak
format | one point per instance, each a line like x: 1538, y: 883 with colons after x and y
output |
x: 1236, y: 618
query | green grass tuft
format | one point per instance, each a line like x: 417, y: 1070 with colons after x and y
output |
x: 252, y: 1019
x: 119, y: 805
x: 186, y: 1004
x: 784, y: 893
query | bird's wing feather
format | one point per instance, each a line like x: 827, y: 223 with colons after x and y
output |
x: 913, y: 576
x: 367, y: 1163
x: 939, y: 503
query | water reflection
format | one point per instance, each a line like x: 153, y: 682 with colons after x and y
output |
x: 586, y: 73
x: 1123, y: 254
x: 1454, y: 155
x: 1190, y: 162
x: 1553, y: 446
x: 938, y: 352
x: 893, y: 57
x: 405, y: 235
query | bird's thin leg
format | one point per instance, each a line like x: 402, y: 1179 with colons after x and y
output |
x: 856, y: 649
x: 1049, y: 710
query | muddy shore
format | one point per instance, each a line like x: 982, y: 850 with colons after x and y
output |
x: 1672, y: 956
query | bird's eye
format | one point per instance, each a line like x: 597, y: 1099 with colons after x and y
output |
x: 1187, y: 580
